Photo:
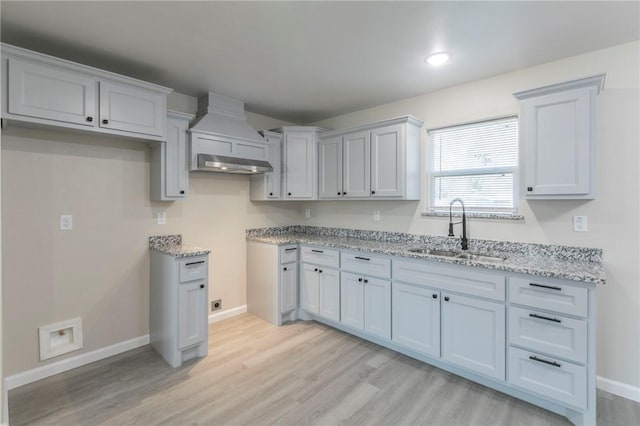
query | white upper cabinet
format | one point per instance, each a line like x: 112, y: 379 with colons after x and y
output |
x: 300, y: 171
x: 44, y: 90
x: 52, y: 93
x: 379, y: 160
x: 268, y: 186
x: 557, y: 140
x: 132, y: 109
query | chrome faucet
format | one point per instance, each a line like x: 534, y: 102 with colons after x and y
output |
x: 464, y: 240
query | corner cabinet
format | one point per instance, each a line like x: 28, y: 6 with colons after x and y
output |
x: 558, y: 140
x: 376, y: 161
x: 169, y: 170
x: 43, y: 90
x: 300, y: 162
x: 178, y: 307
x: 268, y: 186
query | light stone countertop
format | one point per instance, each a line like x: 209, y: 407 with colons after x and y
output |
x: 172, y: 245
x: 563, y: 262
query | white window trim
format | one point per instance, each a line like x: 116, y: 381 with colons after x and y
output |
x: 486, y: 213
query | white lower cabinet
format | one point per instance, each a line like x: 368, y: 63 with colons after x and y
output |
x: 178, y: 307
x: 366, y: 304
x: 416, y: 318
x: 473, y: 334
x: 556, y: 379
x: 320, y: 291
x: 288, y: 287
x: 192, y: 302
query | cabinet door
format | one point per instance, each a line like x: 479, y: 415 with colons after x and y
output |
x: 288, y: 287
x: 556, y: 131
x: 274, y: 178
x: 309, y: 288
x: 387, y: 161
x: 329, y: 294
x: 192, y: 315
x: 416, y: 318
x: 352, y: 300
x: 51, y: 93
x: 176, y: 169
x: 377, y: 307
x: 300, y: 164
x: 473, y: 334
x: 330, y: 167
x: 132, y: 109
x: 356, y: 176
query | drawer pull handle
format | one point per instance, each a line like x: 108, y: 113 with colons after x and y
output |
x: 317, y: 251
x: 545, y: 318
x: 550, y: 287
x: 535, y: 358
x: 363, y: 258
x: 291, y: 249
x: 193, y: 263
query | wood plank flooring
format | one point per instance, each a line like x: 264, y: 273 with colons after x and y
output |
x: 303, y: 373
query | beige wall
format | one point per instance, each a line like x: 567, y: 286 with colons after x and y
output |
x: 613, y: 217
x: 100, y: 270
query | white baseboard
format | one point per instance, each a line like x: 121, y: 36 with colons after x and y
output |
x: 618, y: 388
x: 227, y: 314
x: 47, y: 370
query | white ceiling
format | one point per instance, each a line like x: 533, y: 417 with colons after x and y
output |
x: 305, y: 61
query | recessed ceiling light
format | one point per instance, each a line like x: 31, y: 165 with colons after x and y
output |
x: 439, y: 58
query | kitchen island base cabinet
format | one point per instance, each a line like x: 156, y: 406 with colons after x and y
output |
x: 178, y: 307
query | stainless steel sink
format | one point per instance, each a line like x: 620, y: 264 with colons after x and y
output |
x: 482, y: 257
x: 433, y: 252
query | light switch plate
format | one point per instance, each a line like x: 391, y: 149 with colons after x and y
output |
x: 580, y: 224
x: 307, y: 213
x: 376, y: 215
x: 162, y: 218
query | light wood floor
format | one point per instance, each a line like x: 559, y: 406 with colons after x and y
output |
x: 300, y: 374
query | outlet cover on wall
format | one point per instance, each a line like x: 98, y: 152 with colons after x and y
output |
x: 66, y: 222
x: 376, y: 215
x: 580, y: 224
x: 162, y: 218
x: 307, y: 213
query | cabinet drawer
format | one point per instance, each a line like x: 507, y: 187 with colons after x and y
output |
x: 288, y: 254
x: 193, y: 269
x: 558, y: 380
x: 459, y: 279
x: 549, y: 295
x: 321, y: 256
x: 363, y: 263
x: 548, y: 333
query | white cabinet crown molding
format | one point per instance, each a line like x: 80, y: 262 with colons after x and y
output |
x: 383, y: 123
x: 596, y: 81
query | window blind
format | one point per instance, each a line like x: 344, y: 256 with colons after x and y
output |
x: 476, y: 162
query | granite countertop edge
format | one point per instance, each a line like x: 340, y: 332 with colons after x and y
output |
x: 543, y: 266
x: 172, y: 245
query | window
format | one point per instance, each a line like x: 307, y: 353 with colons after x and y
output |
x: 476, y: 162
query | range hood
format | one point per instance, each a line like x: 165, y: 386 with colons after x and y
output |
x: 222, y: 164
x: 222, y: 141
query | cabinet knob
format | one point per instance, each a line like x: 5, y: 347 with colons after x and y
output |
x: 288, y: 193
x: 359, y: 279
x: 344, y: 193
x: 105, y: 121
x: 320, y: 271
x: 446, y: 298
x: 271, y: 193
x: 435, y: 296
x: 284, y: 269
x: 315, y: 269
x: 182, y: 192
x: 366, y: 281
x: 530, y: 188
x: 373, y: 192
x: 201, y: 285
x: 89, y: 119
x: 339, y: 193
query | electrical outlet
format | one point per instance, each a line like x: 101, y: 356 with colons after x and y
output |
x: 216, y: 305
x: 580, y: 224
x: 376, y: 215
x: 162, y: 218
x: 307, y: 213
x: 66, y: 222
